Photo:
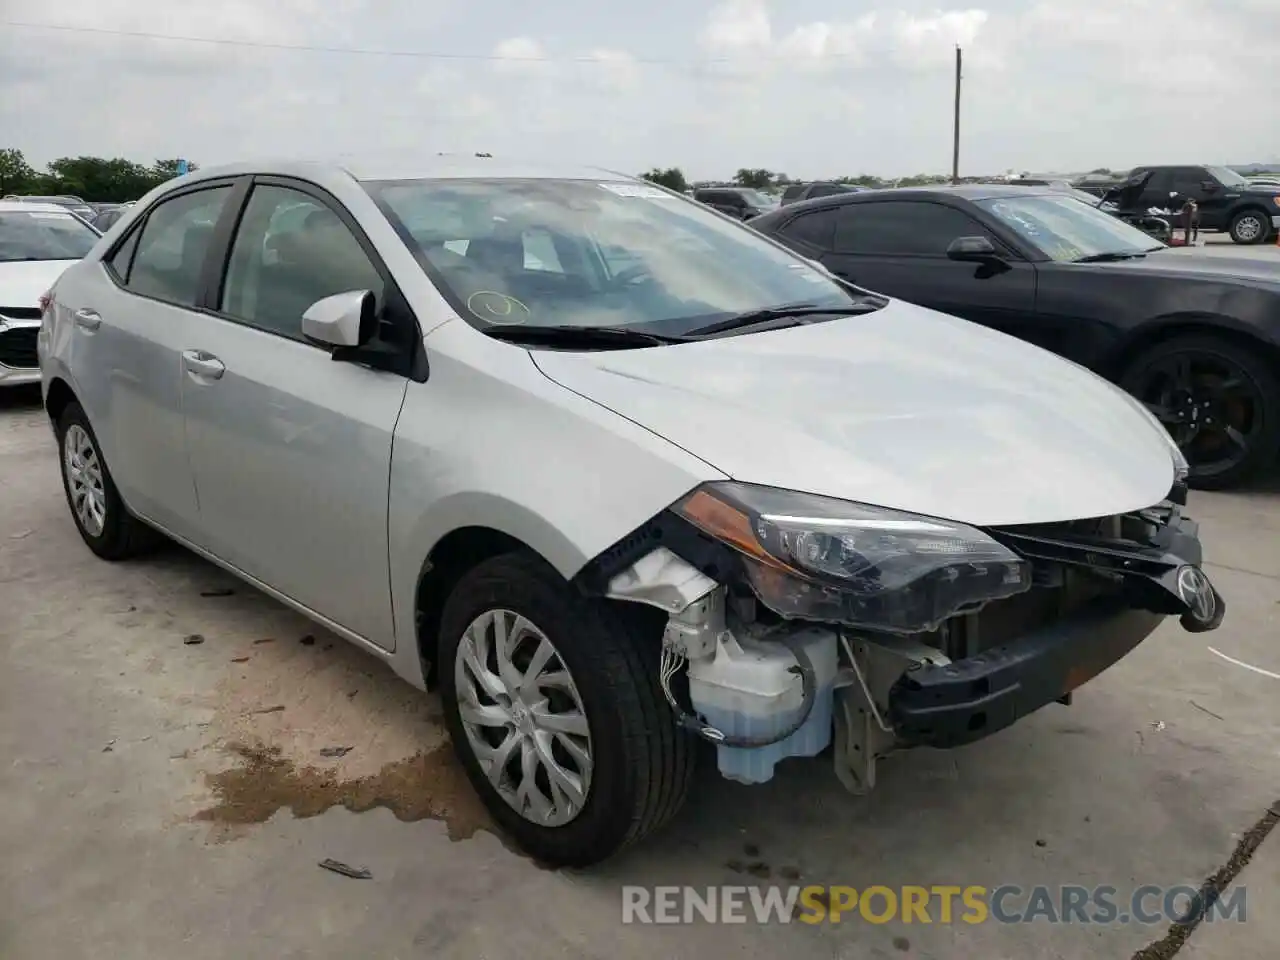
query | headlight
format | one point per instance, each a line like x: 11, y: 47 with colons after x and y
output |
x: 817, y: 558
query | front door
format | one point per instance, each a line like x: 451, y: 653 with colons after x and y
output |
x: 291, y: 451
x: 899, y: 248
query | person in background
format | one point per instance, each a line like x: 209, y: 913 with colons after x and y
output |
x: 1190, y: 222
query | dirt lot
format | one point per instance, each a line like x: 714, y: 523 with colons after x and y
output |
x: 171, y: 779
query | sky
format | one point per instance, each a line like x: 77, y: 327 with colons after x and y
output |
x: 811, y: 88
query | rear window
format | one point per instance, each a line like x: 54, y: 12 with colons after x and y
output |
x: 41, y: 235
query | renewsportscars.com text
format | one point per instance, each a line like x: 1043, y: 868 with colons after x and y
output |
x: 941, y: 904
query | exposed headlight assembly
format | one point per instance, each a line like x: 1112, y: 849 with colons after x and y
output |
x: 817, y: 558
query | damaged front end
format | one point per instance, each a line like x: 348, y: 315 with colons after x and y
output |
x: 794, y: 619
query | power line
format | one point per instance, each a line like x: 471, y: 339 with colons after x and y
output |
x: 404, y: 54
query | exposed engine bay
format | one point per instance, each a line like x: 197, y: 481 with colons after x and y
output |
x: 812, y: 623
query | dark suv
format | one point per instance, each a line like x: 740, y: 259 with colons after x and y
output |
x: 811, y: 191
x: 1226, y: 201
x: 741, y: 202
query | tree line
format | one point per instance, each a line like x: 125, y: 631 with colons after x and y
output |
x: 95, y: 179
x: 762, y: 179
x: 115, y: 180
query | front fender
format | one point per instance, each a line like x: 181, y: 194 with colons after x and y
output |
x: 490, y: 442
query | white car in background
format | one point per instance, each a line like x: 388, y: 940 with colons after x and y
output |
x: 37, y: 242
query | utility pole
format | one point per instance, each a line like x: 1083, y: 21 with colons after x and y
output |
x: 955, y: 139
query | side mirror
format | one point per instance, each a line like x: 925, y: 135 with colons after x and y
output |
x: 972, y: 250
x: 343, y: 320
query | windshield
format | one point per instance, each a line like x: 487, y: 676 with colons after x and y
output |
x: 1064, y: 228
x: 1227, y: 177
x: 37, y: 235
x: 593, y: 254
x: 758, y: 199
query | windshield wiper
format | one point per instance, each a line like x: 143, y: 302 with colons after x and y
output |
x: 1110, y: 257
x: 786, y: 312
x: 620, y: 338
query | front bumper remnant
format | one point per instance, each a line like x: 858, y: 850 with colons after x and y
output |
x: 966, y: 700
x: 899, y: 694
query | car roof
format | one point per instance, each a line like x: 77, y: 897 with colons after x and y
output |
x: 964, y: 191
x: 31, y: 206
x: 442, y: 166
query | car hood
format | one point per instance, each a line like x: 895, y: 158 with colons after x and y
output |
x: 22, y: 283
x: 902, y: 408
x: 1193, y: 262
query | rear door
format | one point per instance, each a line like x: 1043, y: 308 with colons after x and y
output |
x: 291, y: 451
x: 132, y: 314
x: 899, y: 247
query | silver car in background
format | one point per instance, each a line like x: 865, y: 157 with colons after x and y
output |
x: 624, y: 475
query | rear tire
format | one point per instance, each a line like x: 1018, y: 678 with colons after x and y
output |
x: 638, y: 763
x: 1258, y: 375
x: 1250, y: 226
x: 103, y: 521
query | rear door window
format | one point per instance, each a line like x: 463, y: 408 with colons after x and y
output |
x: 169, y: 262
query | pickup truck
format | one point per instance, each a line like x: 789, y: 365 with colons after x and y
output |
x: 1249, y: 212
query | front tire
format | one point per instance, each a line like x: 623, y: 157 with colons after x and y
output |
x: 1250, y: 226
x: 554, y: 708
x: 1219, y: 400
x: 103, y: 521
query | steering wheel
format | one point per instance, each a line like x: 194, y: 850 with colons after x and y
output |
x: 631, y: 275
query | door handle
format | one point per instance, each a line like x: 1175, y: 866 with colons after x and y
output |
x: 202, y: 364
x: 88, y: 319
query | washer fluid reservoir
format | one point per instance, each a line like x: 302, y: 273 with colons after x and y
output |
x: 752, y: 688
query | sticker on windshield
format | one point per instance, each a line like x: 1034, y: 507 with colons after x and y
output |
x: 637, y: 191
x: 498, y: 308
x: 807, y: 273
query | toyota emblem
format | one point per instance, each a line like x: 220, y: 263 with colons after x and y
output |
x: 1197, y: 593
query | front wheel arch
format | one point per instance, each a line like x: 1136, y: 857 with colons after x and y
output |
x: 1162, y: 329
x: 446, y: 564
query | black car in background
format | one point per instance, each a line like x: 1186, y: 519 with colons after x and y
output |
x: 1249, y: 212
x: 1195, y: 338
x: 741, y: 202
x: 797, y: 192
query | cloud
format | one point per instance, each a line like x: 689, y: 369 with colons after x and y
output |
x: 1048, y: 85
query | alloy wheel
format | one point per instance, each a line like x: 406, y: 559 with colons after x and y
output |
x: 1210, y: 407
x: 85, y: 480
x: 523, y: 718
x: 1249, y: 228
